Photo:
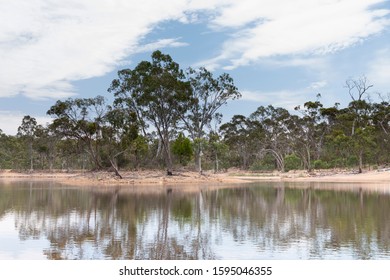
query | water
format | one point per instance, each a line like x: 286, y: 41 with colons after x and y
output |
x: 41, y: 220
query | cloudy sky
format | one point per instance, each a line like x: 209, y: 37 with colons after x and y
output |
x: 279, y: 52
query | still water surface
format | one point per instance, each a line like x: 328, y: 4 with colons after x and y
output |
x: 255, y: 221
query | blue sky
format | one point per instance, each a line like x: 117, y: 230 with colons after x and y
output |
x: 279, y: 52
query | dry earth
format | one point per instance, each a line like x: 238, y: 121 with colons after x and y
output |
x: 158, y: 177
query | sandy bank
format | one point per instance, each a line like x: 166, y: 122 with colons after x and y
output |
x: 335, y: 176
x: 155, y: 177
x: 150, y: 177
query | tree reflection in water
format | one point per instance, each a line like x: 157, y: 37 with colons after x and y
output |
x: 262, y: 221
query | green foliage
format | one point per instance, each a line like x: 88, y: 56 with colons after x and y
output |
x: 157, y: 100
x: 139, y: 150
x: 182, y: 148
x: 157, y: 93
x: 292, y: 162
x: 266, y: 163
x: 320, y: 164
x: 261, y: 165
x: 338, y: 163
x: 243, y: 136
x: 207, y: 94
x: 28, y: 127
x: 352, y: 161
x: 12, y: 152
x: 81, y: 119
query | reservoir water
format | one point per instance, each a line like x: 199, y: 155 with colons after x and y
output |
x: 272, y: 221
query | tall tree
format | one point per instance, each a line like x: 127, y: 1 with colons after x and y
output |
x: 182, y: 148
x: 156, y: 92
x: 118, y: 133
x: 357, y: 89
x: 277, y: 127
x: 381, y: 121
x: 46, y: 146
x: 241, y: 134
x: 81, y: 119
x: 207, y: 95
x: 26, y: 131
x: 360, y: 112
x: 309, y: 132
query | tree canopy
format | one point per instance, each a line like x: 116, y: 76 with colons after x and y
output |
x: 165, y: 117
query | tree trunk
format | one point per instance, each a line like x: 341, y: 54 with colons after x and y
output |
x: 200, y: 164
x: 353, y: 127
x: 279, y: 159
x: 116, y: 170
x: 308, y: 159
x: 216, y: 163
x: 198, y: 159
x: 168, y: 157
x: 361, y: 161
x: 94, y: 155
x: 31, y: 157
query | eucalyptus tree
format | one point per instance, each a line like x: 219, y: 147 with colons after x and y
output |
x: 360, y: 112
x: 207, y: 96
x: 351, y: 131
x: 46, y: 146
x: 118, y: 133
x: 358, y: 90
x: 363, y: 142
x: 182, y: 148
x: 81, y: 119
x: 156, y: 91
x: 381, y: 121
x: 3, y: 149
x: 241, y: 134
x: 26, y: 131
x: 9, y: 151
x: 310, y: 131
x: 363, y: 136
x: 218, y: 150
x: 276, y: 124
x: 381, y: 116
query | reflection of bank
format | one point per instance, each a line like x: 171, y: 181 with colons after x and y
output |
x: 262, y: 221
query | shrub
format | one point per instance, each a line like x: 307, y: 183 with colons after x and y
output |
x: 319, y: 164
x: 182, y: 148
x: 266, y: 163
x: 262, y: 165
x: 352, y: 161
x: 337, y: 163
x: 292, y: 162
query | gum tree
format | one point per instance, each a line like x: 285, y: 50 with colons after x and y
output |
x: 207, y: 96
x: 26, y: 131
x: 156, y: 91
x: 81, y: 119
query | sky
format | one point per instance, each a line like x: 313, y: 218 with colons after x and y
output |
x: 278, y: 52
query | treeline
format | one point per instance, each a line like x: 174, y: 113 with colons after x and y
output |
x: 165, y: 117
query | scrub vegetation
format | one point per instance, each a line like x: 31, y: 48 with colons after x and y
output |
x: 168, y: 118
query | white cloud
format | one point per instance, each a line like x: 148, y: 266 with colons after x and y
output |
x: 273, y: 28
x: 317, y: 85
x: 162, y: 43
x: 288, y: 99
x: 379, y: 70
x: 47, y: 44
x: 11, y: 120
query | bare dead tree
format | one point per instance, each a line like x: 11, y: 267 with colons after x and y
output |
x: 357, y: 87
